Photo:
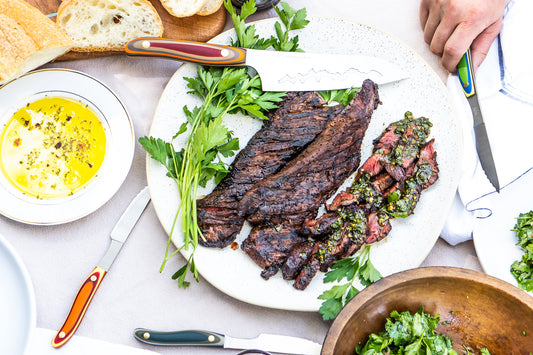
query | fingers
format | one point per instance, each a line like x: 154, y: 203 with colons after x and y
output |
x: 481, y: 45
x: 456, y: 45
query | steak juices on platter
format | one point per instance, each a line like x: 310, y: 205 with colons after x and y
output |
x: 296, y: 162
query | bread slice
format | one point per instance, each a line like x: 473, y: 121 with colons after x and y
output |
x: 210, y: 7
x: 107, y: 25
x: 28, y: 39
x: 183, y: 8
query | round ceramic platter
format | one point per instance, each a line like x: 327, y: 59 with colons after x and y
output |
x: 17, y: 301
x: 411, y: 239
x: 494, y: 240
x: 119, y: 150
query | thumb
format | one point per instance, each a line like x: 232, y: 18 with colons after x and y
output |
x: 481, y: 45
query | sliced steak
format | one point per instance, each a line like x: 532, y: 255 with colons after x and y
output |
x: 290, y: 128
x: 269, y: 247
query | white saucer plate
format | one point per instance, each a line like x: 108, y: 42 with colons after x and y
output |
x: 120, y: 141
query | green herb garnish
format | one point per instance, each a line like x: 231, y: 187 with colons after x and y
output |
x: 351, y: 268
x: 522, y: 269
x: 222, y: 90
x: 408, y: 334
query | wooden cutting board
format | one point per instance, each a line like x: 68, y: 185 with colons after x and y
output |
x: 194, y: 28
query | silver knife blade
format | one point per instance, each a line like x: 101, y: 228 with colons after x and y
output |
x: 124, y: 226
x: 281, y: 344
x: 466, y: 76
x: 297, y: 71
x: 483, y: 149
x: 279, y: 71
x: 275, y: 343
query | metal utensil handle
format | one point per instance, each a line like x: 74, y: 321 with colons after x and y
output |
x: 79, y: 307
x: 188, y: 51
x: 186, y: 337
x: 465, y: 71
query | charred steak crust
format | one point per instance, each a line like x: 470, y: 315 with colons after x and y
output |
x: 296, y: 191
x: 350, y: 127
x: 290, y: 128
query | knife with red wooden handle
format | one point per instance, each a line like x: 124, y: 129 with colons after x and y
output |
x: 279, y: 71
x: 119, y: 234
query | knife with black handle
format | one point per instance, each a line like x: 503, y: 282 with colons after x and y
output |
x: 266, y: 342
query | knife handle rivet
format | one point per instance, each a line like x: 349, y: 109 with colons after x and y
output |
x: 146, y: 335
x: 93, y: 278
x: 211, y: 338
x: 62, y: 335
x: 224, y: 52
x: 145, y: 44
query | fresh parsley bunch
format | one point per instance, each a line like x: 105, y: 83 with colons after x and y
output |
x: 522, y: 269
x: 223, y: 91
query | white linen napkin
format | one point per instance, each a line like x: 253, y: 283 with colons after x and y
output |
x: 40, y: 344
x: 505, y: 93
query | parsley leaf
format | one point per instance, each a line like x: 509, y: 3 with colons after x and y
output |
x: 522, y: 269
x: 347, y: 268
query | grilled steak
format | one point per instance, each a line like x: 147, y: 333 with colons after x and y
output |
x: 380, y: 192
x: 296, y: 191
x: 269, y: 246
x: 290, y: 128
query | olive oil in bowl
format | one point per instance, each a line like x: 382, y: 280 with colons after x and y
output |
x: 52, y: 147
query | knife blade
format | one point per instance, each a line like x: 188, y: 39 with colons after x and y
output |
x: 279, y: 71
x: 119, y: 234
x: 465, y: 72
x: 266, y: 342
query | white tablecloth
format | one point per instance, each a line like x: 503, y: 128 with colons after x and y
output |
x: 134, y: 293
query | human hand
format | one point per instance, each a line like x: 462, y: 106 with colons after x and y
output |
x: 452, y: 26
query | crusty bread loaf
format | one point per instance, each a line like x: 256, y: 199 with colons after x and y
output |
x: 183, y: 8
x: 107, y: 25
x: 28, y: 39
x: 210, y: 7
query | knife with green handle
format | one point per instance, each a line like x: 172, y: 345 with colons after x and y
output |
x: 266, y: 342
x: 465, y: 71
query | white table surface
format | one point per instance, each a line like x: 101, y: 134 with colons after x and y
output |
x: 134, y: 293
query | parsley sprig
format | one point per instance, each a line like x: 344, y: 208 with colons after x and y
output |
x: 522, y: 269
x: 358, y: 267
x: 223, y: 91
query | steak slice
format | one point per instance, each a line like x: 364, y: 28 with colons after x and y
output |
x: 364, y: 211
x: 290, y: 128
x: 296, y: 191
x: 268, y: 247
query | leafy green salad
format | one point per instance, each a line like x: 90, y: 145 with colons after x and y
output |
x: 410, y: 334
x: 522, y: 269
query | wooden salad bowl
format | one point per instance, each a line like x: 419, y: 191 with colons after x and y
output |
x: 479, y: 311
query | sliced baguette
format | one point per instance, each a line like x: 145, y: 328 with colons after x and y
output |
x: 183, y: 8
x: 210, y: 7
x: 28, y: 39
x: 107, y: 25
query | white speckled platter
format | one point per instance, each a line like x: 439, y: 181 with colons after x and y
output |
x: 120, y: 141
x: 410, y: 240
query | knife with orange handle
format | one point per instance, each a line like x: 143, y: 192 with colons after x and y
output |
x: 119, y: 234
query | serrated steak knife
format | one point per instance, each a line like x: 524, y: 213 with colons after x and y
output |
x: 266, y: 342
x: 279, y: 71
x: 465, y: 72
x: 119, y: 234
